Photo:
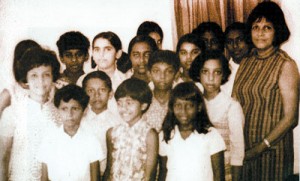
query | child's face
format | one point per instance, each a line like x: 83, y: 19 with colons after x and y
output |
x: 70, y: 112
x: 187, y: 53
x: 139, y: 57
x: 162, y: 75
x: 40, y: 81
x: 130, y: 109
x: 105, y: 54
x: 184, y: 111
x: 99, y: 94
x: 210, y: 40
x: 236, y: 44
x: 74, y: 59
x: 157, y: 38
x: 211, y: 76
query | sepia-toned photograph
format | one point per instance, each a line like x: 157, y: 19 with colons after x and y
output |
x: 149, y: 90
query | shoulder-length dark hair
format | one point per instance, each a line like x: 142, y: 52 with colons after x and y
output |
x: 200, y: 60
x: 190, y: 92
x: 273, y: 13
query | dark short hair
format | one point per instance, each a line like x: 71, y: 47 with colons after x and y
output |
x: 210, y: 27
x: 142, y: 38
x: 273, y: 13
x: 200, y: 60
x: 236, y: 26
x: 69, y: 92
x: 136, y: 89
x: 190, y: 38
x: 164, y: 56
x: 37, y: 57
x: 20, y: 49
x: 148, y: 27
x: 97, y: 75
x: 73, y: 40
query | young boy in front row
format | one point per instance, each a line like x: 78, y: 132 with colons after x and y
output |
x: 97, y: 117
x: 132, y: 145
x: 163, y: 65
x: 70, y: 152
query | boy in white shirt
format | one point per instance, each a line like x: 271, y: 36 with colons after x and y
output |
x: 70, y: 152
x: 98, y: 118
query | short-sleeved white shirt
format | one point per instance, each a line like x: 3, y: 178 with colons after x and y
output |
x: 190, y: 159
x: 68, y: 158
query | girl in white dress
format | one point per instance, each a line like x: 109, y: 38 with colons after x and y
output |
x: 190, y: 148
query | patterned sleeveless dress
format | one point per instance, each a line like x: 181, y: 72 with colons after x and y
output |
x: 256, y: 88
x: 129, y: 151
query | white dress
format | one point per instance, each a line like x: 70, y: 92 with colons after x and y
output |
x: 26, y: 122
x: 190, y: 159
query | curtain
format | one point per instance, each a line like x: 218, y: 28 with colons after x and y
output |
x: 190, y: 13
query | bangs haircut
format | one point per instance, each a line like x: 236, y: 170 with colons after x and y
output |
x: 200, y: 60
x: 273, y: 13
x: 37, y: 57
x: 190, y: 92
x: 69, y: 92
x: 136, y: 89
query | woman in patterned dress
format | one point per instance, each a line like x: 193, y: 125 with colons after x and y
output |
x: 267, y: 87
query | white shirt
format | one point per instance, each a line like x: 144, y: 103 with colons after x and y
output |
x: 228, y: 86
x: 226, y: 114
x: 26, y: 122
x: 69, y: 158
x: 190, y: 159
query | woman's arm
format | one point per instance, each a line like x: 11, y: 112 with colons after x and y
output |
x: 5, y: 145
x: 152, y: 153
x: 95, y: 171
x: 236, y: 121
x: 162, y: 168
x: 109, y: 154
x: 44, y: 172
x: 289, y: 89
x: 217, y: 162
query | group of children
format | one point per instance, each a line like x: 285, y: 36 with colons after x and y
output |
x: 167, y: 108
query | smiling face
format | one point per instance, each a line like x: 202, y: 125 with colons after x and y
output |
x: 130, y: 110
x: 162, y: 75
x: 184, y: 112
x: 187, y: 53
x: 211, y: 77
x: 139, y: 57
x: 70, y: 112
x: 74, y: 60
x: 39, y: 81
x: 236, y: 45
x: 99, y: 94
x: 105, y: 55
x: 263, y: 34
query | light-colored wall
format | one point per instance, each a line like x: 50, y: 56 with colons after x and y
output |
x: 44, y: 21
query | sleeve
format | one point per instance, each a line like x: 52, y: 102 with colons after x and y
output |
x: 96, y: 152
x: 8, y: 123
x: 236, y: 136
x: 215, y: 141
x: 163, y: 146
